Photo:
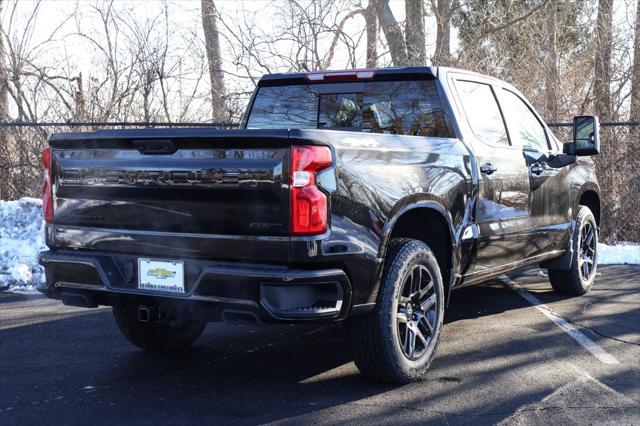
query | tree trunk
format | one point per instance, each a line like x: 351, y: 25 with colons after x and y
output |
x: 212, y: 44
x: 79, y: 100
x: 392, y: 33
x: 635, y: 79
x: 414, y: 32
x: 552, y: 74
x: 442, y: 55
x: 372, y: 36
x: 602, y: 86
x: 4, y: 78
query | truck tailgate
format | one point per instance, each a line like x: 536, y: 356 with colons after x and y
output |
x: 197, y: 181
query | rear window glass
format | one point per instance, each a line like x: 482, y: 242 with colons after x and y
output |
x: 482, y: 112
x: 393, y: 107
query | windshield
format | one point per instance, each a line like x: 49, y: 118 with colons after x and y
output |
x: 393, y: 107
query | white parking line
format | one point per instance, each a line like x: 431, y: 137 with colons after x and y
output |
x: 602, y: 355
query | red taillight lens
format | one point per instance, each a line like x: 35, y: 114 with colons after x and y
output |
x: 308, y: 203
x: 47, y: 190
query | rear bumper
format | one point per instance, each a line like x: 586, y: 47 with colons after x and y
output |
x: 215, y: 290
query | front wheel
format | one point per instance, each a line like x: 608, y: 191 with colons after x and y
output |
x: 397, y: 341
x: 578, y: 279
x: 158, y: 336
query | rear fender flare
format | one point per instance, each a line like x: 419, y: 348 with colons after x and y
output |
x: 432, y: 205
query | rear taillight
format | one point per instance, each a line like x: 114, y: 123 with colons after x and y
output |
x: 308, y: 203
x: 47, y: 190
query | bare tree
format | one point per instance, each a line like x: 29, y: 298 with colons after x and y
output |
x: 371, y: 22
x: 392, y: 32
x: 604, y: 41
x: 414, y: 32
x: 340, y: 34
x: 371, y: 32
x: 552, y: 75
x: 148, y: 66
x: 4, y: 84
x: 212, y: 44
x: 443, y: 11
x: 635, y: 74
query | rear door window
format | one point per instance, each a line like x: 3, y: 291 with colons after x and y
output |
x: 482, y: 112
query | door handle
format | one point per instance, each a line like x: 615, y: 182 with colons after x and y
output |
x: 536, y: 169
x: 488, y: 168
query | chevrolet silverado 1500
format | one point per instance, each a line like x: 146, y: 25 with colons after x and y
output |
x: 363, y: 196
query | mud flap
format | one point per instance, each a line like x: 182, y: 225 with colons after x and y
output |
x: 563, y: 262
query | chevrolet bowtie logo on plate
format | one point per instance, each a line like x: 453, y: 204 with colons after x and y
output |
x: 161, y: 273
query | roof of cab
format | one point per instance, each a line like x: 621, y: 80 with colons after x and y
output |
x: 380, y: 73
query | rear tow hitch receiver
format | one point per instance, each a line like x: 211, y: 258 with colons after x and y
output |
x: 149, y: 313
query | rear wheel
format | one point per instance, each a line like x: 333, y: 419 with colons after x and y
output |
x: 579, y: 278
x: 397, y: 341
x: 162, y: 335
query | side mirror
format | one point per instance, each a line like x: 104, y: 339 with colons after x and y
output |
x: 586, y: 136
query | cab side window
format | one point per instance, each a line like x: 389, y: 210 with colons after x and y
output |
x: 482, y: 112
x: 525, y: 130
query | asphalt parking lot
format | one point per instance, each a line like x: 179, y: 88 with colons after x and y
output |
x: 501, y: 360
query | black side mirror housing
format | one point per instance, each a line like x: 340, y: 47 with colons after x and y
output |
x: 586, y: 136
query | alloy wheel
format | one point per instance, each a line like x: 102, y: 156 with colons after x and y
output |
x: 418, y: 305
x: 587, y: 254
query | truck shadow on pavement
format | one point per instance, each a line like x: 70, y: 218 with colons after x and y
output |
x: 247, y: 374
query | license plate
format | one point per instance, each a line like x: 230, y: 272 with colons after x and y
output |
x: 161, y: 275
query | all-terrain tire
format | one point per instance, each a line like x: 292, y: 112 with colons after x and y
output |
x: 156, y: 336
x: 578, y: 279
x: 377, y: 342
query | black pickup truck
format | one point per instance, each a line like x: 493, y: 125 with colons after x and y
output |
x: 363, y: 196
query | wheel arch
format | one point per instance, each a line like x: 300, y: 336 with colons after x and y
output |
x: 590, y: 197
x: 427, y: 221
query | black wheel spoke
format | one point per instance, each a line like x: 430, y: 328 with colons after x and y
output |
x: 589, y: 236
x: 405, y: 335
x: 415, y: 280
x: 422, y: 337
x: 425, y: 321
x: 406, y: 287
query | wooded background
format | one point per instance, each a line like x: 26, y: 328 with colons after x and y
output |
x: 569, y: 57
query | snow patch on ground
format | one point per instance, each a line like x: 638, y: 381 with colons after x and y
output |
x: 21, y: 239
x: 619, y: 254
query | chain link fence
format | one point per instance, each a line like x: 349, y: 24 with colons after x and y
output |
x: 618, y: 170
x: 21, y: 145
x: 617, y: 166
